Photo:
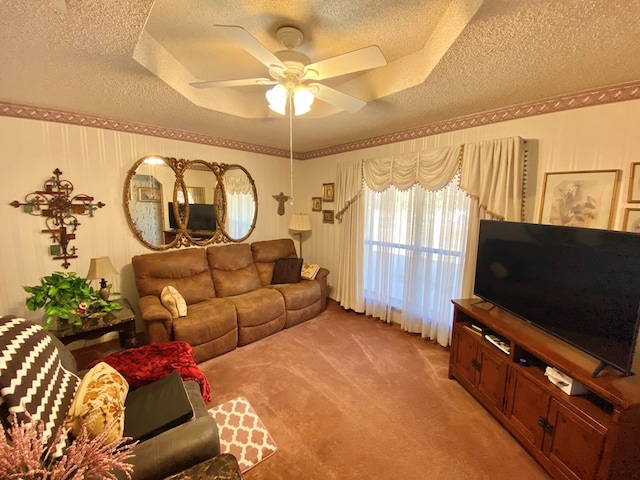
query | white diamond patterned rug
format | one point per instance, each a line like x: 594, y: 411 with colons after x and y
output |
x: 242, y: 433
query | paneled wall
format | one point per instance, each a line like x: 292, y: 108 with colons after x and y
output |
x: 96, y: 162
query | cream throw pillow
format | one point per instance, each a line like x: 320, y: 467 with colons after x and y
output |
x: 174, y: 302
x: 99, y: 401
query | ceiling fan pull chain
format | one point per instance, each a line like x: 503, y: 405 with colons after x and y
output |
x: 291, y: 146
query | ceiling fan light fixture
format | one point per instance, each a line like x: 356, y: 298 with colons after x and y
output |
x: 302, y: 100
x: 277, y: 98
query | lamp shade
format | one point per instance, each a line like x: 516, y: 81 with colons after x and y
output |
x: 101, y: 267
x: 300, y: 223
x: 277, y: 98
x: 302, y: 100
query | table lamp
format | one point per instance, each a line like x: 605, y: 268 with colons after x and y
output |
x: 102, y: 268
x: 300, y: 223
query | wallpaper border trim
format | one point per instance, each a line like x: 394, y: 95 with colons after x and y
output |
x: 588, y: 98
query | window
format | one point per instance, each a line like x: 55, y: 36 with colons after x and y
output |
x: 414, y: 244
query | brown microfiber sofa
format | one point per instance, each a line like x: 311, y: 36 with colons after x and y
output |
x: 230, y: 299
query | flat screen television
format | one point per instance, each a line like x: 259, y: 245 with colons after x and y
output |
x: 202, y: 217
x: 579, y: 284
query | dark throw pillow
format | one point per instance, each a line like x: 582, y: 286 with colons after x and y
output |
x: 287, y: 270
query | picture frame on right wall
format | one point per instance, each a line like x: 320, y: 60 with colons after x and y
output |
x: 579, y: 199
x: 327, y: 192
x: 631, y: 220
x: 634, y: 184
x: 327, y: 216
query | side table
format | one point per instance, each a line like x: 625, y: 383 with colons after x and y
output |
x: 221, y: 467
x: 97, y: 324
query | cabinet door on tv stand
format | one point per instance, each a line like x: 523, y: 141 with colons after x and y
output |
x: 527, y: 403
x: 464, y: 353
x: 492, y: 375
x: 574, y: 446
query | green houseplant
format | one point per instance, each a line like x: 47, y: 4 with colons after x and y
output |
x: 66, y: 296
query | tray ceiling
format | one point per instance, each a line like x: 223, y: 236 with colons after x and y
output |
x: 445, y: 60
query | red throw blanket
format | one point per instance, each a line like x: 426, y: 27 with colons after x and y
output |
x: 143, y: 365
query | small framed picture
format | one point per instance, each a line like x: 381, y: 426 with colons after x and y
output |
x: 327, y: 216
x: 327, y: 192
x: 631, y: 220
x: 579, y: 199
x: 316, y: 204
x: 148, y: 194
x: 634, y: 184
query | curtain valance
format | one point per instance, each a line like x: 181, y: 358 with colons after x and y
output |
x: 432, y: 169
x: 490, y: 171
x: 236, y: 181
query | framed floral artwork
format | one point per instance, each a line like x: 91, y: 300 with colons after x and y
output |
x: 579, y: 199
x: 631, y: 220
x: 327, y: 216
x: 316, y: 204
x: 634, y: 184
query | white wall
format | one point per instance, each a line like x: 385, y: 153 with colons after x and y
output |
x: 96, y: 162
x: 592, y: 138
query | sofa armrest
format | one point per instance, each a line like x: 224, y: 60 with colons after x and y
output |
x: 177, y: 449
x: 321, y: 278
x: 181, y: 447
x: 158, y: 321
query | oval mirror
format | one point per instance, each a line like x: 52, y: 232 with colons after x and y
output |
x: 196, y: 199
x: 240, y: 197
x: 172, y: 203
x: 148, y: 183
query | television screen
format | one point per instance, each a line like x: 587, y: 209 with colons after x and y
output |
x: 581, y: 285
x: 202, y: 217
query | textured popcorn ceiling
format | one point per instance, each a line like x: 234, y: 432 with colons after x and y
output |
x: 446, y: 59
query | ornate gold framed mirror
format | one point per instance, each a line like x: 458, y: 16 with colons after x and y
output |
x: 171, y: 203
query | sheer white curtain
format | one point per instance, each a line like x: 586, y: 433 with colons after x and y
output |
x: 240, y: 211
x: 414, y: 256
x: 419, y: 230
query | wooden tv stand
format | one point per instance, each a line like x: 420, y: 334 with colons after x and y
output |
x: 590, y: 436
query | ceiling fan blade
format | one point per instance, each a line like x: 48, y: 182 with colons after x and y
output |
x: 234, y: 83
x: 250, y: 44
x: 363, y: 59
x: 339, y: 99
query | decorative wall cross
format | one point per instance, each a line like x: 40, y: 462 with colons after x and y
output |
x: 55, y: 203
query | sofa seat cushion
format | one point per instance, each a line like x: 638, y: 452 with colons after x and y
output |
x: 298, y: 295
x: 210, y: 327
x: 260, y: 313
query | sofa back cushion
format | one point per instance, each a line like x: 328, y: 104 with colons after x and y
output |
x: 265, y: 254
x: 186, y: 270
x: 232, y: 269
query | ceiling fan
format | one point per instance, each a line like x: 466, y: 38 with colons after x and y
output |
x: 294, y: 76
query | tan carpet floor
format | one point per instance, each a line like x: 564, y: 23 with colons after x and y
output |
x: 349, y: 397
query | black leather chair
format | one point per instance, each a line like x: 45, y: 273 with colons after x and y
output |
x: 174, y: 450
